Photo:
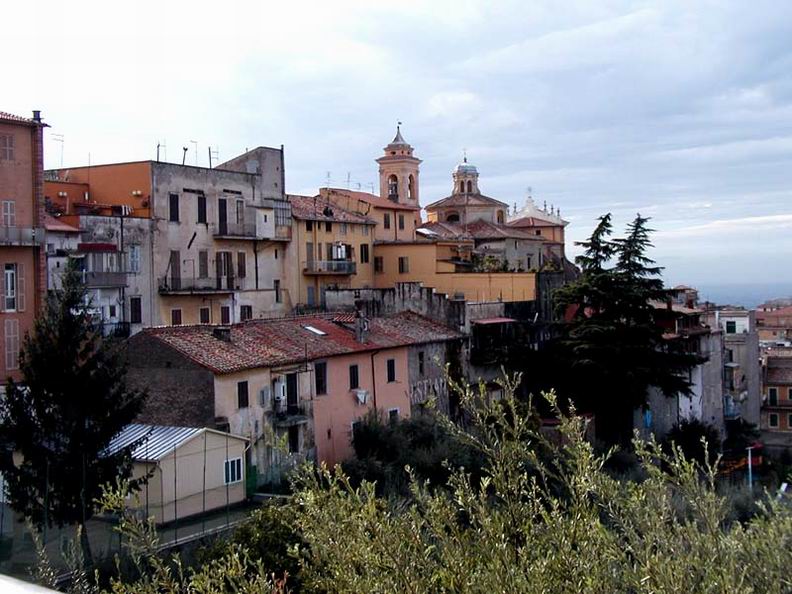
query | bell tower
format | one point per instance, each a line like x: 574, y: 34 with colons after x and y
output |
x: 398, y: 171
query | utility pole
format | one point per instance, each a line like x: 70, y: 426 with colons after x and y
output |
x: 750, y: 467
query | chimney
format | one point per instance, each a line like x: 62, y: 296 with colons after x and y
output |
x: 361, y: 327
x: 36, y: 115
x: 222, y: 333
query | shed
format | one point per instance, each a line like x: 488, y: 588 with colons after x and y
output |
x: 192, y: 470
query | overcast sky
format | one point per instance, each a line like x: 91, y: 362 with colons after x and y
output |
x: 679, y: 110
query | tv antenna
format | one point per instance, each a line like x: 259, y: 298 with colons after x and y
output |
x: 59, y: 138
x: 184, y: 154
x: 163, y: 147
x: 214, y: 154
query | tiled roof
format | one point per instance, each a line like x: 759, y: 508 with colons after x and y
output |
x: 314, y: 209
x: 267, y: 343
x: 15, y: 118
x: 779, y: 370
x: 532, y: 222
x: 53, y: 224
x: 478, y: 230
x: 466, y: 200
x: 372, y: 199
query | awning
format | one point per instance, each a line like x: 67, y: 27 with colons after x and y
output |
x: 493, y: 321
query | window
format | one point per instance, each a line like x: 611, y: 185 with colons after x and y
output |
x: 404, y: 264
x: 10, y: 287
x: 378, y: 264
x: 225, y: 314
x: 241, y: 265
x: 386, y: 220
x: 789, y: 421
x: 176, y: 317
x: 772, y: 420
x: 393, y: 415
x: 9, y: 213
x: 401, y: 222
x: 276, y: 286
x: 204, y: 315
x: 354, y: 380
x: 538, y: 232
x: 111, y: 313
x: 391, y: 363
x: 240, y: 212
x: 731, y: 327
x: 320, y: 373
x: 6, y: 147
x: 500, y: 218
x: 276, y: 254
x: 355, y: 428
x: 393, y: 187
x: 136, y: 310
x: 328, y: 227
x: 343, y: 230
x: 364, y: 229
x: 309, y: 225
x: 242, y: 394
x: 233, y: 471
x: 134, y: 258
x: 203, y: 264
x: 173, y: 210
x: 421, y: 358
x: 201, y: 208
x: 789, y: 394
x: 772, y: 396
x: 245, y: 312
x: 11, y: 344
x: 294, y: 439
x: 364, y: 253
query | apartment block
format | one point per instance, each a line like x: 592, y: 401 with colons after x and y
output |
x: 21, y: 233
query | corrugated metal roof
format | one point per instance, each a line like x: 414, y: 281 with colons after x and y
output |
x: 158, y: 440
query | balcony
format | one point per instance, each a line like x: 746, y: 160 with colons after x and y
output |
x: 21, y: 236
x: 174, y: 285
x: 234, y: 230
x: 339, y: 267
x: 98, y: 280
x: 290, y: 415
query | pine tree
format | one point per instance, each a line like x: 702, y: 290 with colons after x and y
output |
x: 59, y: 421
x: 612, y: 348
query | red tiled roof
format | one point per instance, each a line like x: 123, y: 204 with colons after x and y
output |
x: 372, y: 199
x: 478, y: 230
x: 466, y: 200
x: 532, y: 222
x: 53, y: 224
x: 18, y: 119
x: 779, y: 370
x: 313, y: 208
x: 267, y: 343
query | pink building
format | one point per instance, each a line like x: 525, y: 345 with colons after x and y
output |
x: 295, y: 387
x: 21, y: 234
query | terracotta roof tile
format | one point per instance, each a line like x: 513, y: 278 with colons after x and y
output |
x: 267, y: 343
x: 314, y: 208
x: 466, y: 200
x: 478, y: 230
x: 15, y: 118
x: 53, y: 224
x: 372, y: 199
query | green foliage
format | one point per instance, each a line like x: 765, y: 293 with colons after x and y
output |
x: 739, y: 435
x: 612, y: 350
x: 422, y: 442
x: 515, y: 532
x: 696, y: 440
x: 72, y: 402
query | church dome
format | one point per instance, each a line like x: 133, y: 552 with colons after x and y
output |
x: 466, y: 168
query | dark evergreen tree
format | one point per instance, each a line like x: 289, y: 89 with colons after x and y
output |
x: 611, y: 346
x: 72, y: 400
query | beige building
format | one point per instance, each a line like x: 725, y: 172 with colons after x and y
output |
x: 331, y: 248
x: 190, y: 470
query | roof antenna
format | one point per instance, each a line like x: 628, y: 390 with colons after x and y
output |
x: 184, y: 154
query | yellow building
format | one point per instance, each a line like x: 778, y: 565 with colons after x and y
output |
x: 331, y: 247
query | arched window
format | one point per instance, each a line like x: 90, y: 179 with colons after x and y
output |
x: 411, y: 187
x: 462, y: 187
x: 500, y: 217
x: 452, y: 217
x: 470, y: 186
x: 393, y: 187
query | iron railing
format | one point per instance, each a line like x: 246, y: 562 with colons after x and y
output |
x: 329, y: 267
x: 229, y: 229
x: 186, y: 284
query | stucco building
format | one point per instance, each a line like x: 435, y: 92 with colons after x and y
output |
x: 776, y: 412
x: 21, y: 234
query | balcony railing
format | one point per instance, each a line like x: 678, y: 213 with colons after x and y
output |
x: 241, y: 230
x: 21, y: 236
x: 329, y: 267
x: 182, y: 284
x: 291, y: 414
x: 93, y: 280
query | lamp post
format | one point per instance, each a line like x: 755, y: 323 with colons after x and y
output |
x: 750, y: 467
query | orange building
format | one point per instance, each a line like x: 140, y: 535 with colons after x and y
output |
x: 21, y: 233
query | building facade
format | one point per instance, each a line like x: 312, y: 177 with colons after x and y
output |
x: 21, y: 234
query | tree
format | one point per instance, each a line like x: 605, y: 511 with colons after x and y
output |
x: 59, y: 421
x: 611, y: 346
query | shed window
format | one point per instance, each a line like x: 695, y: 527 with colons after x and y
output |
x: 320, y: 371
x: 173, y: 208
x: 354, y: 380
x: 391, y: 370
x: 242, y: 395
x: 233, y: 471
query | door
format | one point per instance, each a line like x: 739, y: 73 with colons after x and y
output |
x: 311, y: 296
x: 222, y: 216
x: 224, y: 270
x: 292, y: 398
x: 175, y: 270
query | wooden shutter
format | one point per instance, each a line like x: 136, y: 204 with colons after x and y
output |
x: 20, y: 287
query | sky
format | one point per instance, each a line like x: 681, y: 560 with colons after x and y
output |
x: 677, y: 110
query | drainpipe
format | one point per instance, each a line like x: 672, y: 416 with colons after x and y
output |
x: 373, y: 381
